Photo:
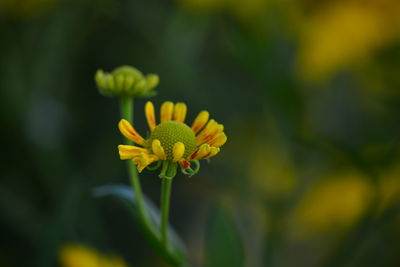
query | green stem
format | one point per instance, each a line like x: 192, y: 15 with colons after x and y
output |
x: 158, y: 241
x: 165, y: 197
x: 126, y: 104
x: 127, y: 114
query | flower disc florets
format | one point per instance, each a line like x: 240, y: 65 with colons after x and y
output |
x: 172, y: 142
x: 171, y: 132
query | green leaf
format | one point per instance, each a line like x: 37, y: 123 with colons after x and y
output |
x: 223, y: 241
x: 176, y: 253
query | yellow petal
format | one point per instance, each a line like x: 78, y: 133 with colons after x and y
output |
x: 158, y: 149
x: 200, y: 121
x: 129, y: 132
x: 167, y: 109
x: 200, y: 152
x: 130, y: 152
x: 211, y: 125
x: 219, y: 140
x: 211, y: 130
x: 180, y: 112
x: 178, y: 150
x: 144, y: 160
x: 204, y: 150
x: 213, y: 151
x: 150, y: 115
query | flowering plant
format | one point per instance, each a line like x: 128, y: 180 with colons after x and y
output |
x: 171, y: 144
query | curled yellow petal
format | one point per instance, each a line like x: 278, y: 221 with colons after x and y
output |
x: 219, y: 140
x: 144, y: 160
x: 158, y: 150
x: 129, y: 132
x: 200, y: 121
x: 150, y: 115
x: 167, y: 109
x: 180, y: 112
x: 213, y: 151
x: 200, y: 152
x: 204, y: 150
x: 178, y: 150
x: 130, y: 152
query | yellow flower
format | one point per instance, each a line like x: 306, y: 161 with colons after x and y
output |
x: 172, y: 142
x: 75, y: 255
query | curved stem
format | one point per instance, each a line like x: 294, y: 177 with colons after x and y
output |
x: 126, y: 104
x: 165, y: 198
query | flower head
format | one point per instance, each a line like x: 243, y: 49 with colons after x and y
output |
x: 172, y: 142
x: 126, y: 81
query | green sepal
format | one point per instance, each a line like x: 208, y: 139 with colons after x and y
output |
x: 155, y: 166
x: 168, y: 170
x: 148, y: 94
x: 190, y: 172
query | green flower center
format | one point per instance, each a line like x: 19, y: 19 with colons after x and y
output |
x: 172, y: 132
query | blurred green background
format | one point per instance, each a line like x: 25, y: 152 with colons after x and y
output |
x: 309, y: 95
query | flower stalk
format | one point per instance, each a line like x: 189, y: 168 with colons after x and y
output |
x: 126, y: 104
x: 165, y: 200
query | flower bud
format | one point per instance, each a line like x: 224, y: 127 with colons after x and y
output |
x: 126, y: 81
